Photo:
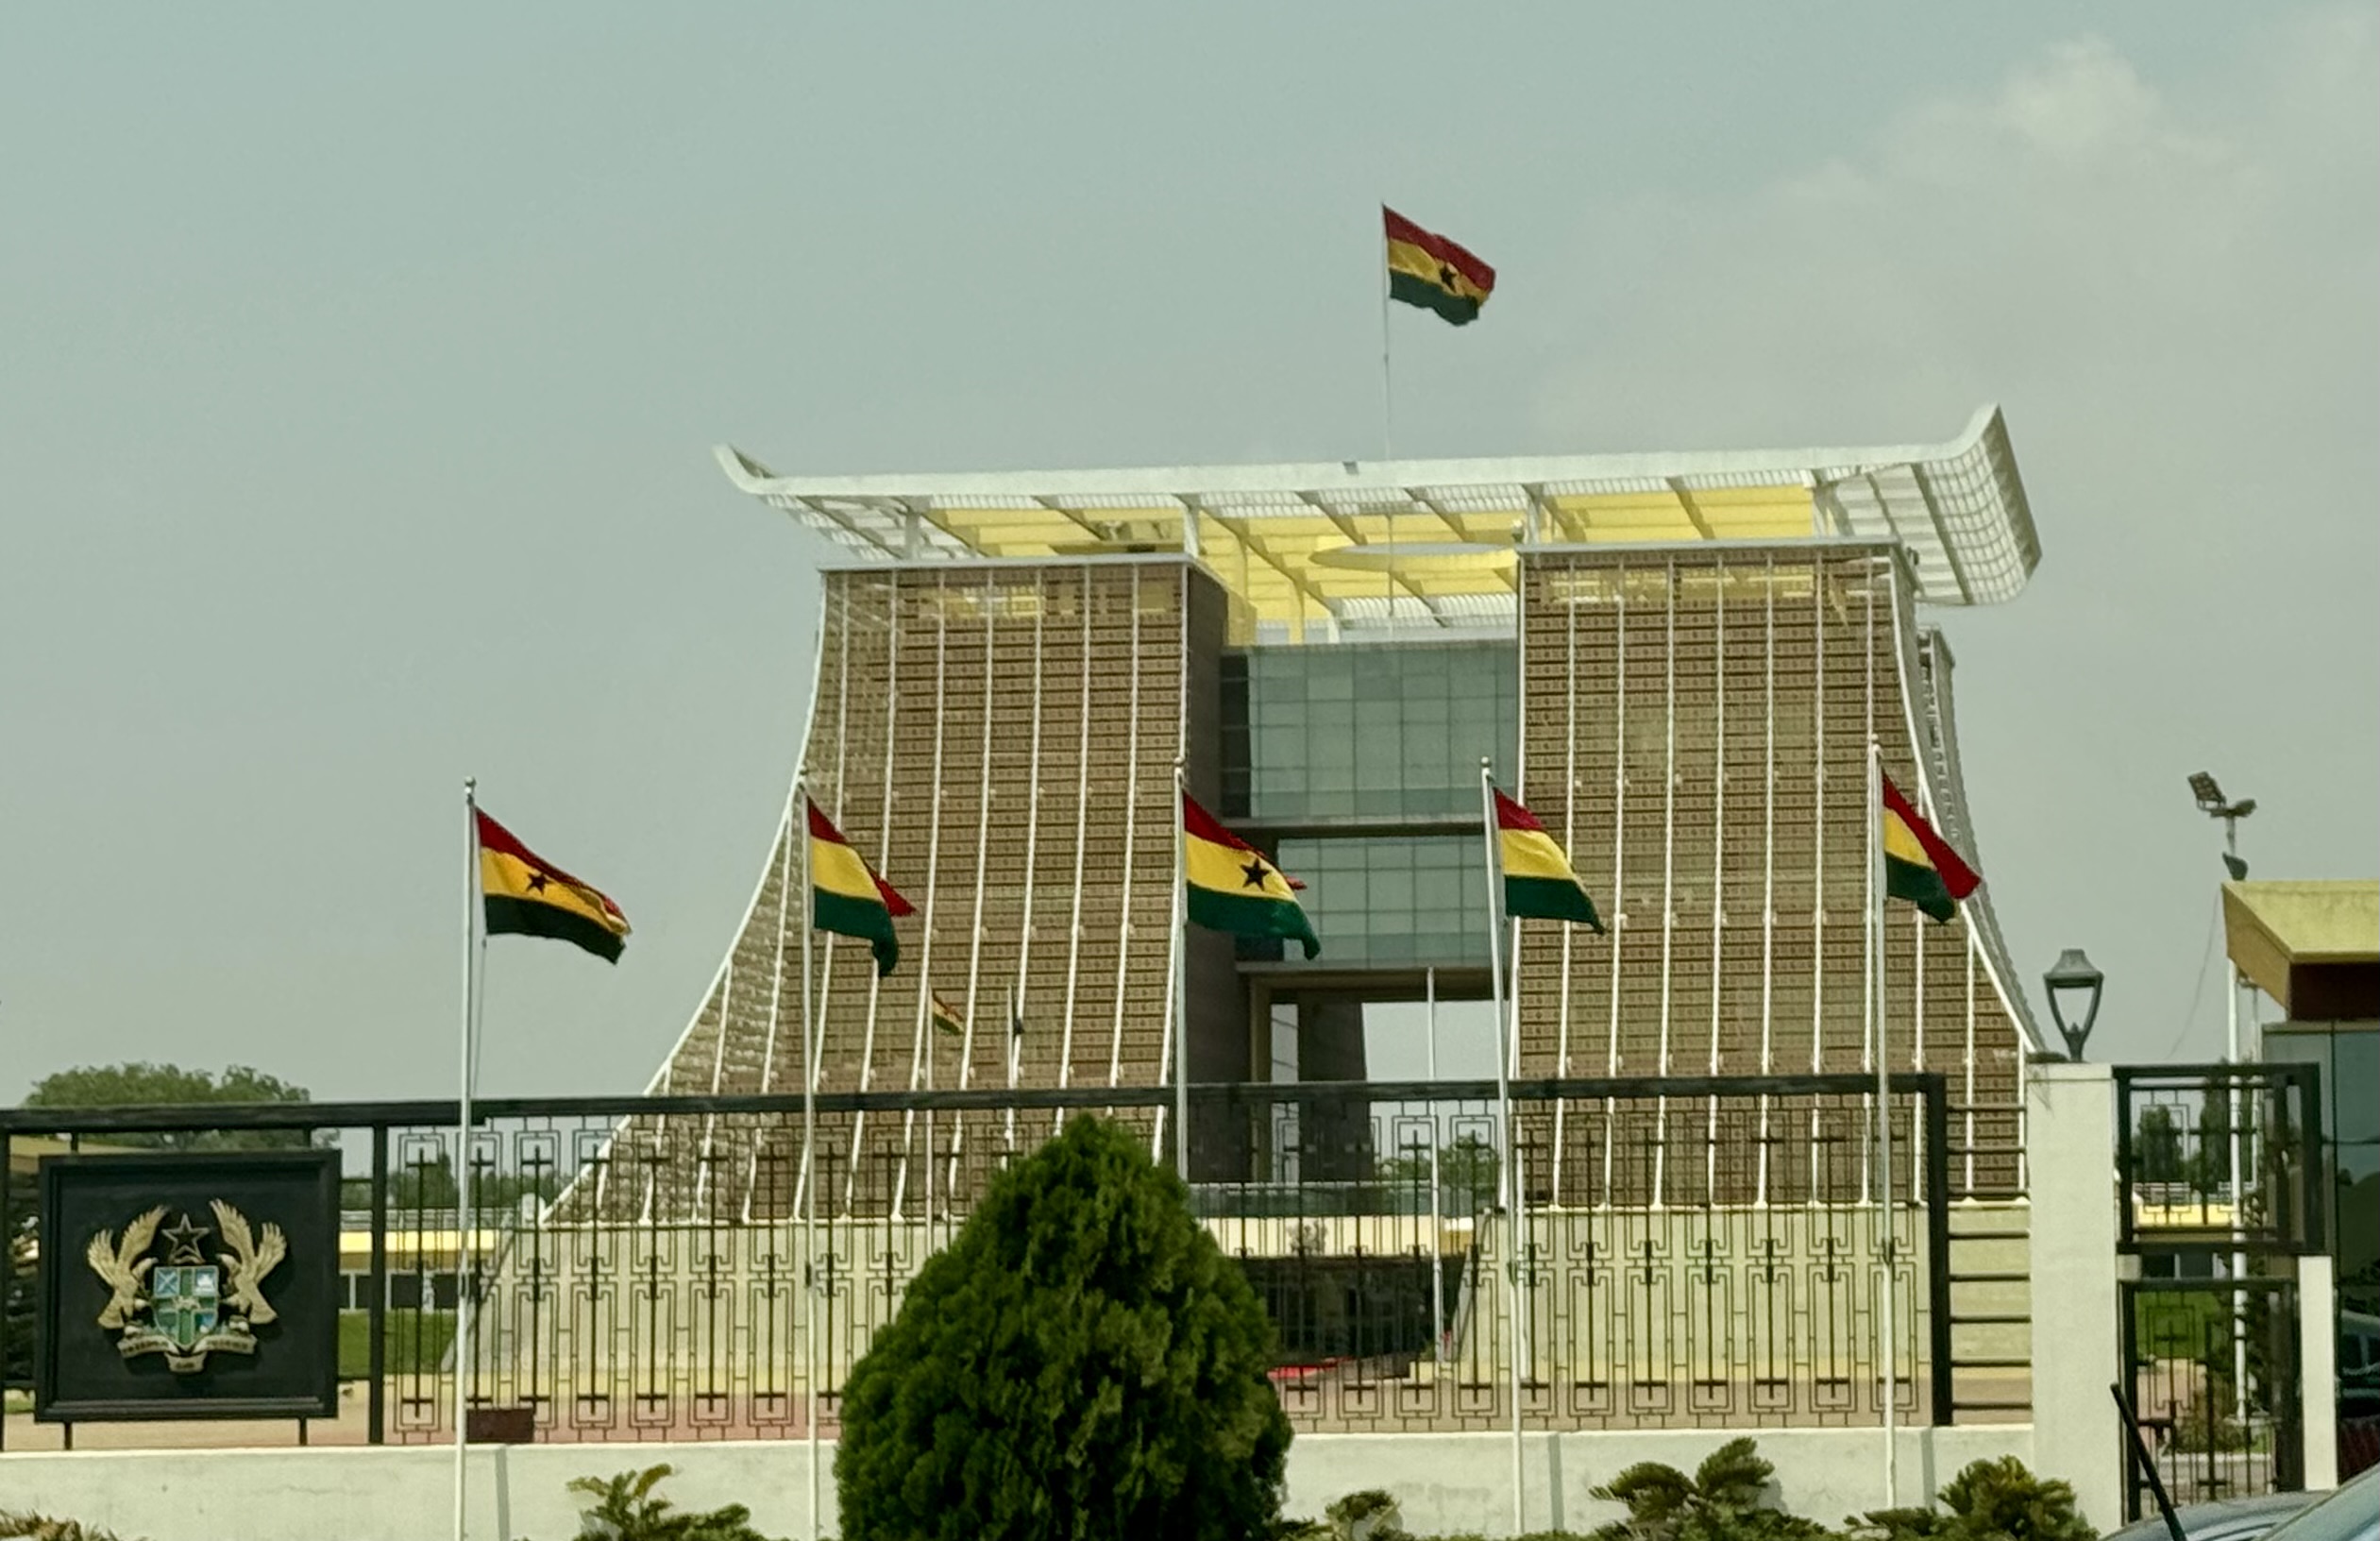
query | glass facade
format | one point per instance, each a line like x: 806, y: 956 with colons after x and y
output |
x: 1395, y: 900
x: 1362, y: 733
x: 1366, y: 730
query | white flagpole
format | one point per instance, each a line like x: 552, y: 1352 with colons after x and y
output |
x: 1889, y: 1344
x: 471, y: 943
x: 1507, y: 1184
x: 809, y: 1154
x: 1388, y: 393
x: 1181, y: 986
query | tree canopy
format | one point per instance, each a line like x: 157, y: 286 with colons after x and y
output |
x: 143, y: 1084
x: 1082, y: 1363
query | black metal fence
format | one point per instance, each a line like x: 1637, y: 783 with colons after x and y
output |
x: 1626, y: 1253
x: 2219, y: 1193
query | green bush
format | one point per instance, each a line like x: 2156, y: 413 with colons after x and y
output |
x: 1082, y: 1362
x: 1989, y: 1500
x: 625, y: 1510
x: 1721, y: 1501
x: 41, y: 1528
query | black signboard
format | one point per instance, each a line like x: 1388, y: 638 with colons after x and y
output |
x: 189, y: 1286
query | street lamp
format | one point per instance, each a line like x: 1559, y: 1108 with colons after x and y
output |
x: 2073, y: 979
x: 2212, y: 802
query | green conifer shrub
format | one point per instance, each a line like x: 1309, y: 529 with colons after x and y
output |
x: 1081, y: 1363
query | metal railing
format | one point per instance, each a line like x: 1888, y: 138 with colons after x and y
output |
x: 1682, y: 1252
x: 2220, y: 1156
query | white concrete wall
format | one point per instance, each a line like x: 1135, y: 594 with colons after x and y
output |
x: 1442, y: 1481
x: 2077, y: 1349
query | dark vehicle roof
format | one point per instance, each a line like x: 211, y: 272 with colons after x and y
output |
x: 2231, y: 1519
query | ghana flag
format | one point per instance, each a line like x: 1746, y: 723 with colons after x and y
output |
x: 1233, y: 888
x: 1920, y: 865
x: 1434, y: 273
x: 846, y: 896
x: 946, y: 1019
x: 1538, y: 882
x: 526, y: 895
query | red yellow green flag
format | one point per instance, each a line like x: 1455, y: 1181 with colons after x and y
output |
x: 1234, y: 886
x: 1538, y: 882
x: 1920, y: 865
x: 846, y: 896
x: 1434, y: 273
x: 526, y: 895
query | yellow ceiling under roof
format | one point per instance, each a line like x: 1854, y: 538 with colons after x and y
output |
x: 1361, y: 543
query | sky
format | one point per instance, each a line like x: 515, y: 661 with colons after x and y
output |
x: 360, y: 371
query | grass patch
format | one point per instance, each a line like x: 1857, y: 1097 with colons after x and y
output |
x: 416, y: 1341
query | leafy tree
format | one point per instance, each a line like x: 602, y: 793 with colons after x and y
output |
x: 2210, y: 1171
x: 429, y: 1185
x: 1467, y: 1169
x: 2156, y: 1146
x: 1721, y: 1501
x: 1083, y: 1362
x: 142, y: 1084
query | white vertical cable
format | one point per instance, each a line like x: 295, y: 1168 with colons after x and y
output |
x: 1176, y: 1051
x: 1767, y: 869
x: 776, y: 993
x: 814, y: 1042
x: 1818, y: 861
x: 718, y: 1062
x: 786, y: 832
x: 1619, y: 849
x: 1570, y: 835
x: 1967, y: 1094
x: 1082, y: 812
x: 884, y: 859
x: 983, y: 857
x: 1918, y: 1056
x: 922, y: 1025
x: 1032, y: 852
x: 1668, y: 866
x: 1718, y: 865
x: 1873, y: 1057
x: 1131, y: 830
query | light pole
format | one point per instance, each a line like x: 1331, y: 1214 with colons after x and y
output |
x: 2072, y: 979
x: 2212, y: 802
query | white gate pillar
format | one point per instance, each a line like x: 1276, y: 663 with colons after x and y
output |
x: 2077, y: 1349
x: 2318, y: 1369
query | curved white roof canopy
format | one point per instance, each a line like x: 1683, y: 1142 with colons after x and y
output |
x: 1286, y: 538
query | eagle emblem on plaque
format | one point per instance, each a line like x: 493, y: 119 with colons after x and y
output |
x: 183, y: 1305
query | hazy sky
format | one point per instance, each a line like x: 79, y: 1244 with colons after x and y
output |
x: 359, y: 370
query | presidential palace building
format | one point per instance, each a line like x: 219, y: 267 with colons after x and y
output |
x: 1676, y: 660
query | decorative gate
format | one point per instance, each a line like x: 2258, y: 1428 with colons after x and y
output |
x: 2218, y: 1167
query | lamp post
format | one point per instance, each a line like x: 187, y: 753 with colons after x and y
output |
x: 2073, y: 979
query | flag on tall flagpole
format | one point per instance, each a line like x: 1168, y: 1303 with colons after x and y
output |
x: 1233, y: 886
x: 523, y: 894
x: 946, y: 1019
x: 1434, y: 273
x: 1538, y: 882
x: 1920, y: 865
x: 846, y: 896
